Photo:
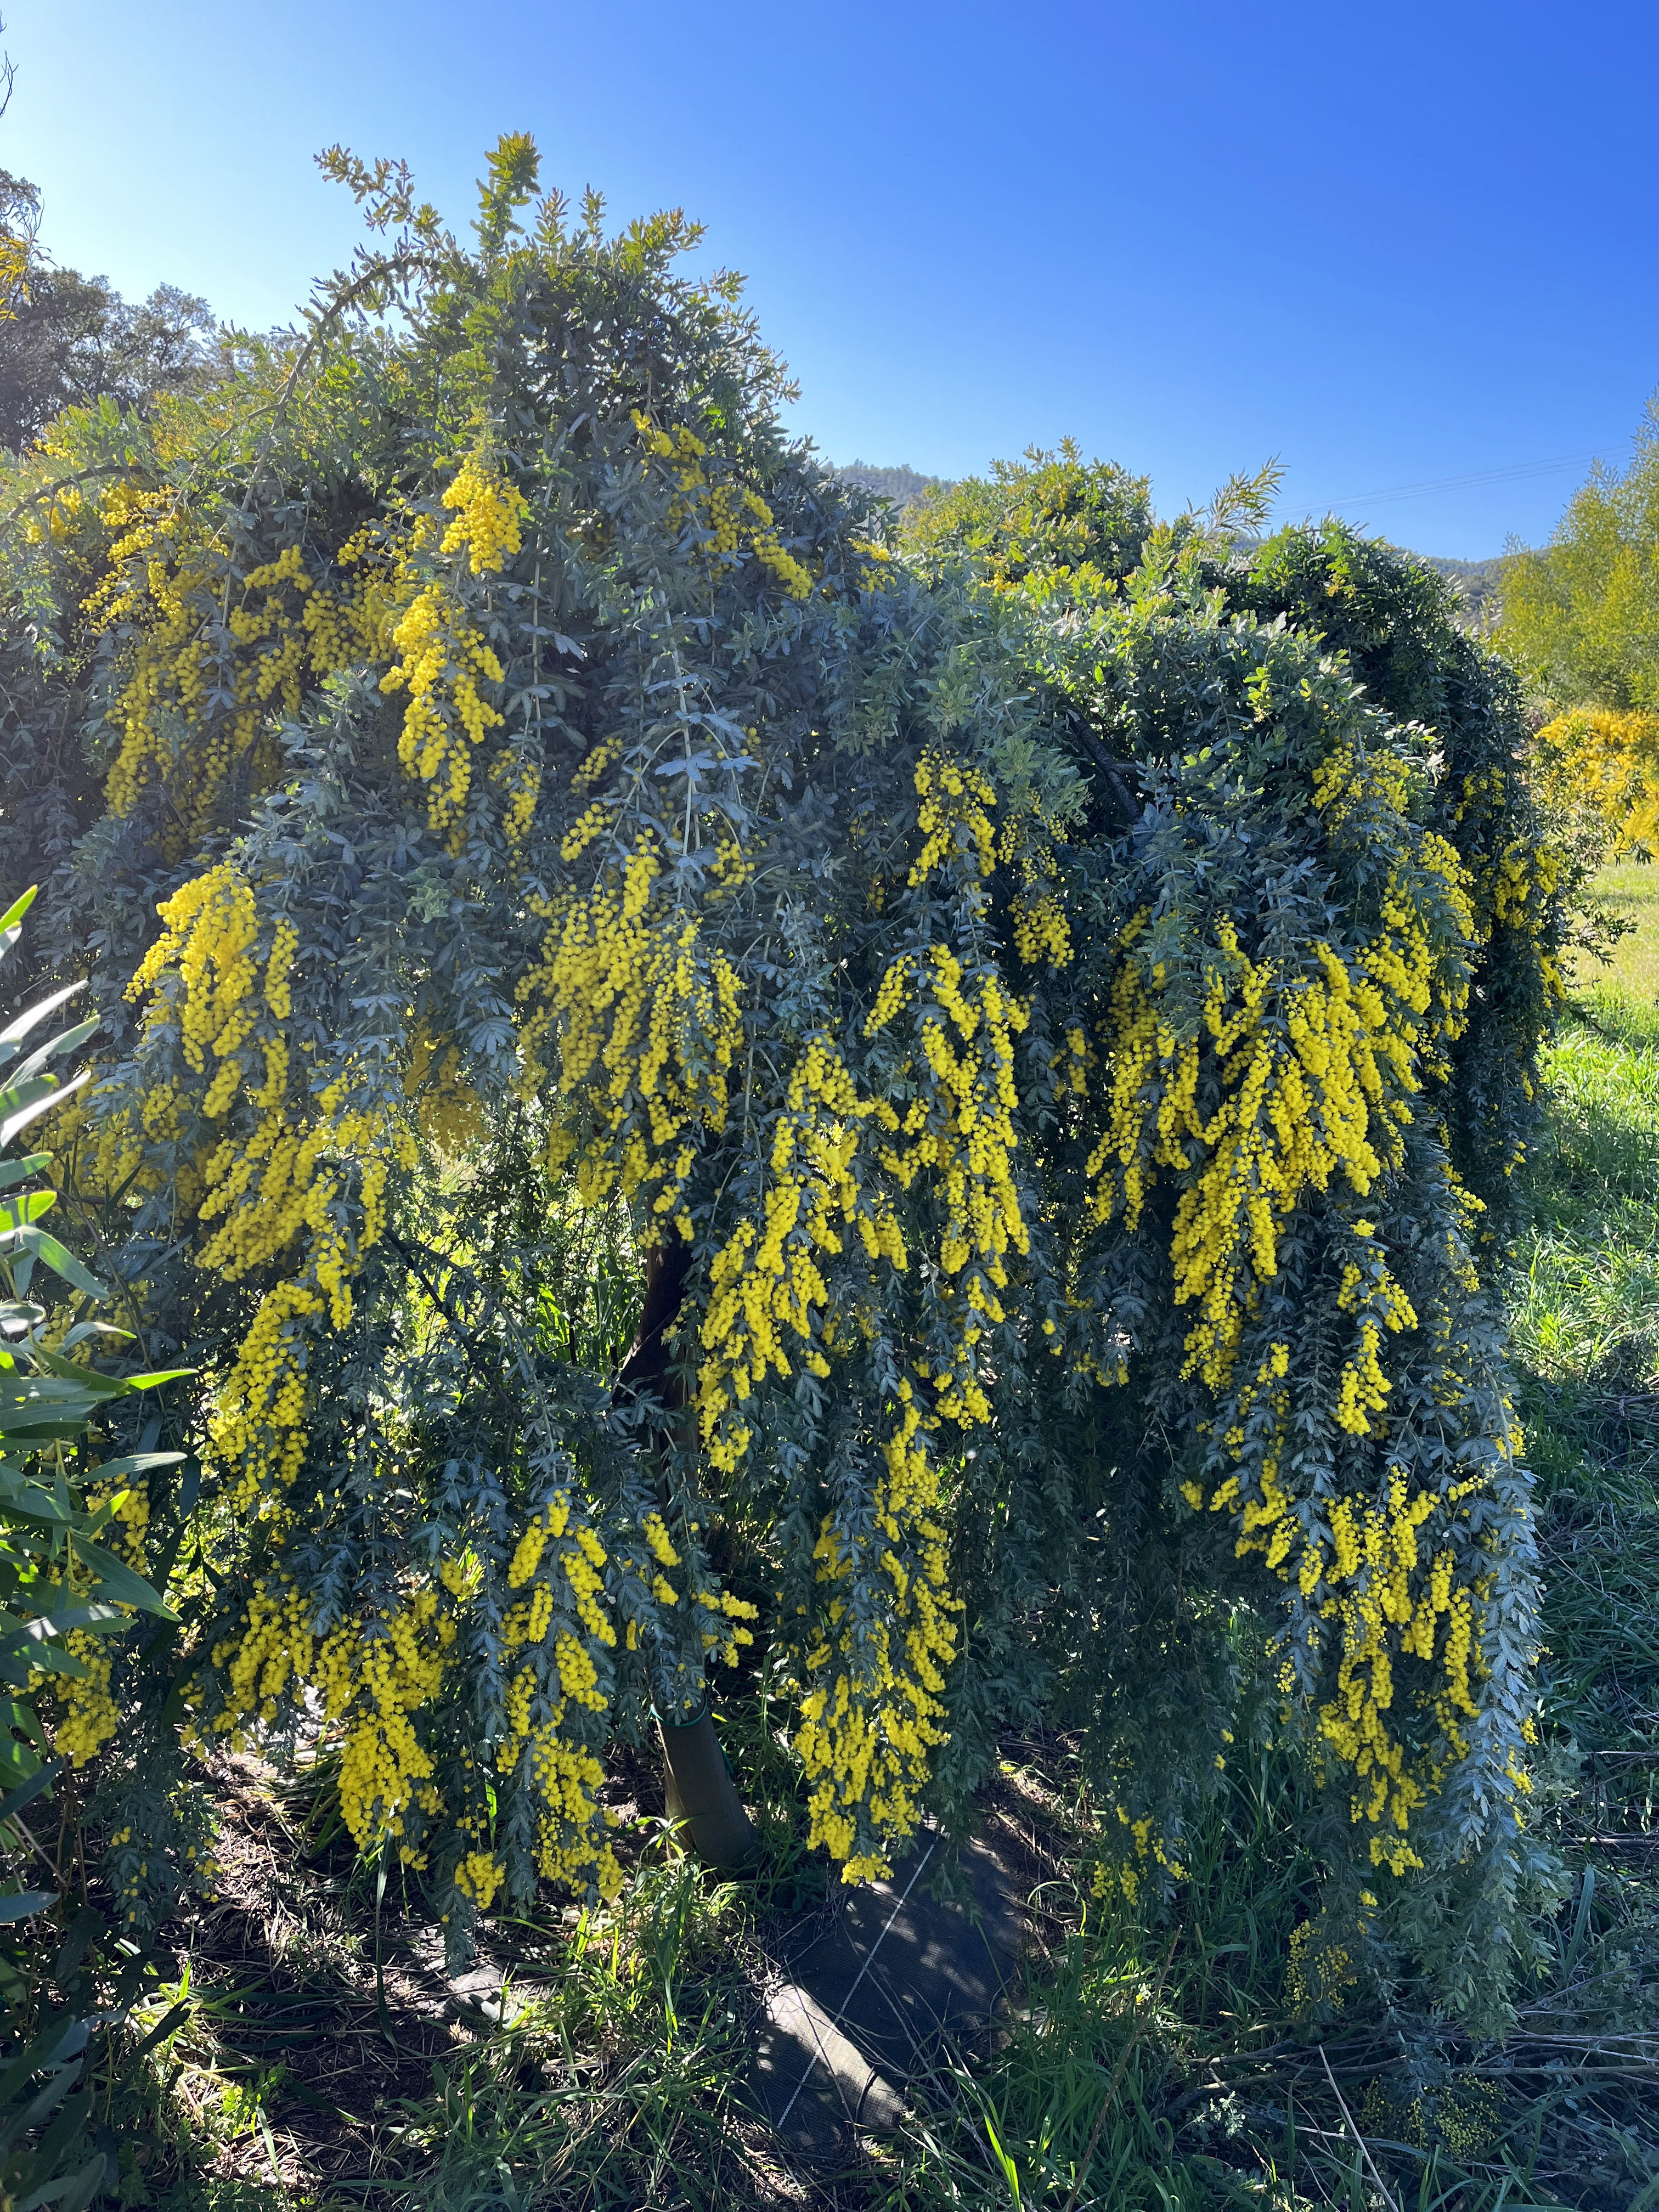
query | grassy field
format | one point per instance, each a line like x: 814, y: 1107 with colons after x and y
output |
x: 313, y: 2059
x: 1632, y: 894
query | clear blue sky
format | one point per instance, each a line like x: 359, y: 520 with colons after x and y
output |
x: 1392, y: 242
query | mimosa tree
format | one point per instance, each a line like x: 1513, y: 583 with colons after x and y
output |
x: 1047, y: 1040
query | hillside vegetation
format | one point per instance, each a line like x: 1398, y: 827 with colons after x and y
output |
x: 902, y: 488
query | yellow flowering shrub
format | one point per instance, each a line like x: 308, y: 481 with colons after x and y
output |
x: 1603, y: 761
x: 1038, y: 1062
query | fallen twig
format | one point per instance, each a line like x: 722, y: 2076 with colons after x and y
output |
x: 1370, y: 2163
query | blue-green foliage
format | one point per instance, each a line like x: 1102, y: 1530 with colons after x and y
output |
x: 1163, y: 705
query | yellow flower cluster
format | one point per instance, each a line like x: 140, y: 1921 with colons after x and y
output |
x: 1142, y: 1847
x: 552, y: 1521
x: 373, y: 1676
x: 662, y: 1545
x: 1041, y: 930
x: 89, y: 1717
x: 766, y: 1279
x: 128, y: 1521
x: 589, y: 824
x: 1522, y: 883
x: 952, y: 817
x: 315, y: 1171
x: 571, y: 1843
x: 646, y: 1020
x: 1370, y: 1290
x: 1037, y: 920
x: 725, y: 1633
x: 766, y: 1283
x: 448, y: 1112
x: 870, y: 1725
x: 1314, y: 1070
x: 866, y: 1736
x: 377, y: 1675
x: 258, y: 1424
x: 733, y: 519
x: 1311, y: 1073
x: 969, y: 1142
x: 1320, y: 1971
x: 1369, y: 1580
x: 441, y: 662
x: 271, y: 1657
x: 517, y: 776
x: 1374, y: 1583
x: 1605, y: 759
x: 478, y: 1877
x: 128, y: 1888
x: 486, y: 526
x: 569, y: 1849
x: 284, y: 630
x: 1348, y: 778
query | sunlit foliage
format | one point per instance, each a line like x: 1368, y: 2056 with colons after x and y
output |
x: 1581, y: 614
x: 1058, y: 1010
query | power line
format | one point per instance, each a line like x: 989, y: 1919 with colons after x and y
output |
x: 1514, y: 474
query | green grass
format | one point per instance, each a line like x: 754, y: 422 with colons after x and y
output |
x: 1631, y: 893
x: 1150, y: 2065
x: 1587, y: 1315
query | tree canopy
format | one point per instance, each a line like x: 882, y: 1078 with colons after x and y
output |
x: 927, y: 1125
x: 1581, y: 614
x: 73, y: 340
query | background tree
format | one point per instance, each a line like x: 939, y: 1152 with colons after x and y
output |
x: 1581, y: 622
x: 73, y: 340
x: 1050, y: 514
x: 1581, y: 616
x: 534, y: 843
x: 19, y: 214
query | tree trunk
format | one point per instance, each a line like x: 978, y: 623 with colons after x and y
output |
x: 698, y: 1786
x: 699, y: 1790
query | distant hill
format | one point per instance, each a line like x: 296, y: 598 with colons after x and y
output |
x: 903, y: 486
x: 1480, y: 581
